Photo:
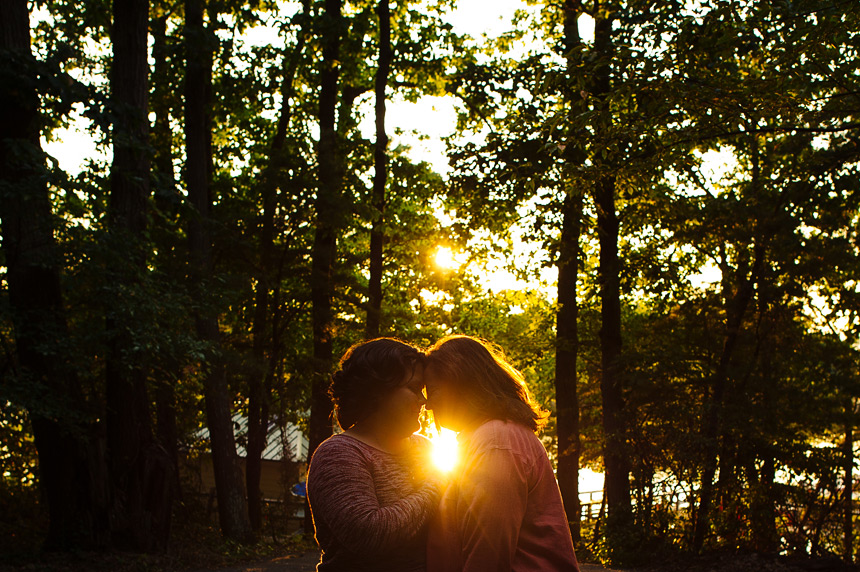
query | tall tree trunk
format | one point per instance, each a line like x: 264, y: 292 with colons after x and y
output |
x: 380, y: 175
x: 615, y: 451
x: 258, y: 400
x: 262, y: 331
x: 567, y: 337
x: 713, y: 412
x: 325, y: 236
x: 69, y: 463
x: 163, y: 235
x: 232, y: 506
x: 163, y: 100
x: 736, y: 308
x: 567, y: 345
x: 139, y: 470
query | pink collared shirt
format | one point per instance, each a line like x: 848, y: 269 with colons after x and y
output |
x: 503, y: 511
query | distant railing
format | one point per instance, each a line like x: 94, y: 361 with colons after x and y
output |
x: 589, y: 505
x: 590, y: 502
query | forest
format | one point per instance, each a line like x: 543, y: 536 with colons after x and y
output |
x: 673, y: 188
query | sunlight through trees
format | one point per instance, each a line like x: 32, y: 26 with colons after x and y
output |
x: 653, y: 208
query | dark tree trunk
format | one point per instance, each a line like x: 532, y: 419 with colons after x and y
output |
x: 736, y: 308
x: 325, y: 237
x: 380, y: 175
x: 848, y: 509
x: 713, y: 411
x: 258, y: 398
x: 763, y: 509
x: 264, y: 333
x: 129, y: 98
x: 727, y: 486
x: 163, y: 100
x: 615, y: 451
x: 230, y: 490
x: 163, y: 235
x: 139, y: 470
x: 567, y: 337
x: 567, y: 345
x: 69, y: 457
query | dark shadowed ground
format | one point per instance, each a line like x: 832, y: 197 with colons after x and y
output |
x: 716, y: 562
x: 307, y: 563
x: 304, y: 559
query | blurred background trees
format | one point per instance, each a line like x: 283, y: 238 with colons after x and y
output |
x: 671, y: 189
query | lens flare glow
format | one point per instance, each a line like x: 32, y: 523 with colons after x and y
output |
x: 445, y: 258
x: 444, y: 449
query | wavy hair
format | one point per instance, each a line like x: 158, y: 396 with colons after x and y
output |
x: 368, y: 372
x: 482, y: 378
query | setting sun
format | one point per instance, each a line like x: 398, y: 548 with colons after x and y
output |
x: 445, y: 258
x: 444, y: 449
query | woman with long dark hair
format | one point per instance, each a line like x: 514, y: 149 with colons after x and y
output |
x: 503, y: 510
x: 369, y: 488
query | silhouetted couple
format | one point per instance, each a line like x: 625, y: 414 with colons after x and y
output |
x: 379, y: 504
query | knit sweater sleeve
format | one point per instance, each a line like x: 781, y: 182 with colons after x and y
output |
x: 342, y: 494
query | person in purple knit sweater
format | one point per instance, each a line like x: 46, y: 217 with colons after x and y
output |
x: 371, y: 489
x: 503, y: 511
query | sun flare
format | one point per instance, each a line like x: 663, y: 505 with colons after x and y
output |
x: 445, y: 258
x: 444, y: 449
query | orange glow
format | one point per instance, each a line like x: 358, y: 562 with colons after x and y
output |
x: 444, y: 449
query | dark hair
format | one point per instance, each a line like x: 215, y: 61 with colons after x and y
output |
x: 489, y: 386
x: 368, y: 372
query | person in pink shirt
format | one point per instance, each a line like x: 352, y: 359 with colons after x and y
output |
x: 503, y: 509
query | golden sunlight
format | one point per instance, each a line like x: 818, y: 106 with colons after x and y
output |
x: 444, y: 449
x: 445, y: 258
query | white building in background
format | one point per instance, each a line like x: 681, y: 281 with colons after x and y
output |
x: 284, y: 460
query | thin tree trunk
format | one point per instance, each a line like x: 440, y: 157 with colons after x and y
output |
x: 615, y: 453
x: 262, y: 331
x: 713, y: 412
x: 763, y: 519
x: 727, y: 485
x: 736, y: 309
x: 325, y: 243
x: 380, y: 175
x: 164, y: 237
x: 69, y: 461
x: 848, y: 510
x: 325, y: 234
x: 567, y: 336
x: 567, y: 344
x: 232, y: 505
x: 258, y: 406
x: 163, y: 180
